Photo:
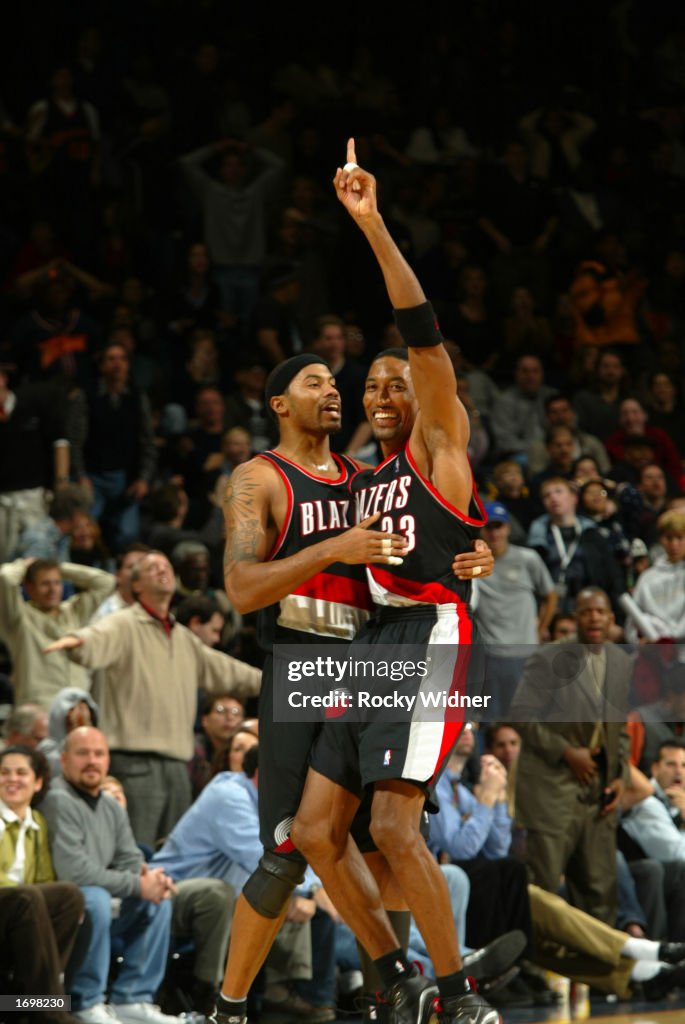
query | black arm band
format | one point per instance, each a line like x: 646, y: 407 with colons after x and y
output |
x: 418, y: 326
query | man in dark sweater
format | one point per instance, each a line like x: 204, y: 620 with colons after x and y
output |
x: 114, y: 452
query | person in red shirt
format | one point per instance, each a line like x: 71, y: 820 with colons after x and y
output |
x: 632, y: 419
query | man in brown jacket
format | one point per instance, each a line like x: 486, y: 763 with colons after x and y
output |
x: 153, y: 667
x: 570, y: 710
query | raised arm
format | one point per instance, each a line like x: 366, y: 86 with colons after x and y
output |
x: 442, y: 427
x: 252, y: 524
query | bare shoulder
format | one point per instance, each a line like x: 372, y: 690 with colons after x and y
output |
x: 252, y: 512
x: 249, y: 486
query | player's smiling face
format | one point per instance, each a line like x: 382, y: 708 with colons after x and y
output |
x: 389, y: 400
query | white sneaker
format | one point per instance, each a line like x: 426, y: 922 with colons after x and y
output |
x: 142, y: 1013
x: 98, y: 1014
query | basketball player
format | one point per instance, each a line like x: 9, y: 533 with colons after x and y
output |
x: 293, y: 552
x: 425, y: 489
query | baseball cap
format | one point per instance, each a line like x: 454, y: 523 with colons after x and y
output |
x: 496, y: 512
x: 638, y: 548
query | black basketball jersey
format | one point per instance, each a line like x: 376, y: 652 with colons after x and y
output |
x: 333, y: 604
x: 435, y: 531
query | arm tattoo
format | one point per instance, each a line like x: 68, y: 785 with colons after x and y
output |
x: 243, y: 525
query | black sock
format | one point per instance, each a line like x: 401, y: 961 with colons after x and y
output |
x: 231, y: 1007
x: 400, y: 921
x: 453, y: 984
x: 392, y: 966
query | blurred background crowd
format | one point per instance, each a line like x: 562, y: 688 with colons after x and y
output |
x: 168, y: 234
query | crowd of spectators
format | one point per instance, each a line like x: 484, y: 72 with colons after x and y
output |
x: 167, y: 236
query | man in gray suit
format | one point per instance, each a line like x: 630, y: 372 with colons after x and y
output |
x: 570, y: 710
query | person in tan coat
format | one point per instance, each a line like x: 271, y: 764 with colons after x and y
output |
x: 152, y: 668
x: 570, y: 709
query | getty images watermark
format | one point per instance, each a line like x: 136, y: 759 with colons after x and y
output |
x: 566, y: 682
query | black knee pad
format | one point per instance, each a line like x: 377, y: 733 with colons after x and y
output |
x: 269, y: 888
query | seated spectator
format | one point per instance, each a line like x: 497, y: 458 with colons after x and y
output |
x: 203, y: 909
x: 598, y: 409
x: 199, y: 449
x: 87, y: 546
x: 661, y: 720
x: 71, y: 709
x: 605, y: 303
x: 191, y: 561
x: 201, y: 370
x: 55, y: 340
x: 169, y: 509
x: 472, y: 321
x: 598, y: 504
x: 34, y: 456
x: 665, y: 408
x: 26, y: 627
x: 660, y: 591
x: 93, y: 847
x: 632, y: 423
x: 246, y: 408
x: 236, y: 448
x: 639, y: 562
x: 560, y: 413
x: 221, y: 717
x: 153, y: 667
x: 653, y: 491
x: 518, y: 217
x: 512, y: 492
x: 651, y: 827
x: 524, y: 330
x: 638, y: 452
x: 585, y: 468
x: 50, y: 536
x: 329, y: 343
x: 218, y: 837
x: 230, y: 756
x: 571, y: 547
x: 518, y: 418
x: 560, y: 445
x: 196, y: 305
x: 203, y: 617
x: 474, y: 830
x: 576, y: 944
x: 40, y: 917
x: 562, y: 626
x: 276, y: 333
x: 26, y: 725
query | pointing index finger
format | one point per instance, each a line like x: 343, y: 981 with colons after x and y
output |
x: 351, y: 155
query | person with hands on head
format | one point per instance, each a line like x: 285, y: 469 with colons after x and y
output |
x: 294, y: 553
x: 412, y: 404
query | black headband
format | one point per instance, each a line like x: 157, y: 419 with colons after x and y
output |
x: 279, y: 379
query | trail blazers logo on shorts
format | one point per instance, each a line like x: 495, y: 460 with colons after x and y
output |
x: 387, y: 758
x: 282, y: 831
